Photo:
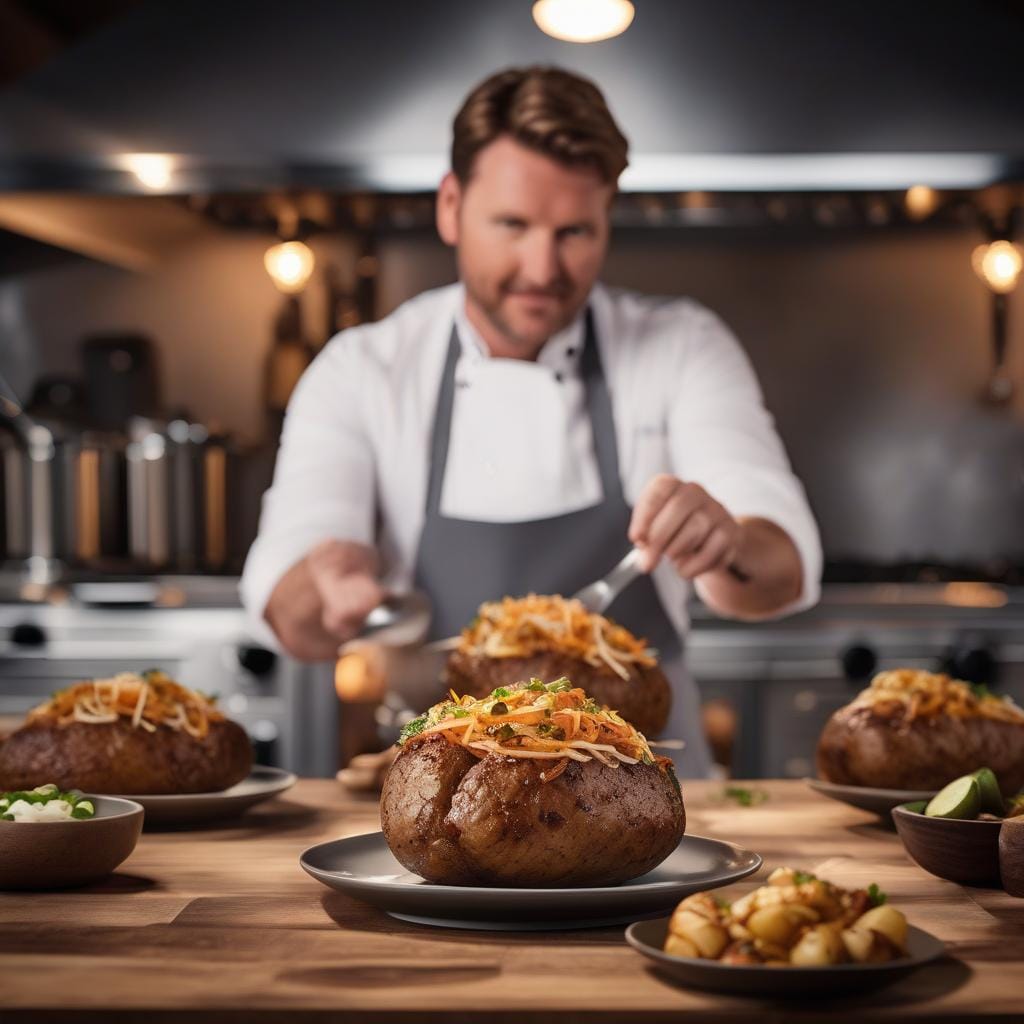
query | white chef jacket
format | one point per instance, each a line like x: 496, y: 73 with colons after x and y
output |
x: 354, y: 453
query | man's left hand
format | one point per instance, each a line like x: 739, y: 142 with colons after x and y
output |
x: 681, y: 522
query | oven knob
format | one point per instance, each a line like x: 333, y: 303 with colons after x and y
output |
x: 859, y: 662
x: 27, y: 634
x: 256, y: 660
x: 972, y: 664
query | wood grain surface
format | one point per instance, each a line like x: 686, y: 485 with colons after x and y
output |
x: 221, y: 924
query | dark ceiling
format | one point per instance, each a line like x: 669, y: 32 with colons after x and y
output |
x: 339, y: 93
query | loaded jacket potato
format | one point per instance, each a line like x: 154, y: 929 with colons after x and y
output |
x: 535, y: 785
x: 139, y: 734
x: 547, y: 637
x: 918, y: 730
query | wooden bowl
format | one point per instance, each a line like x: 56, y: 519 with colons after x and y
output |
x: 960, y: 851
x: 1011, y: 855
x: 62, y: 854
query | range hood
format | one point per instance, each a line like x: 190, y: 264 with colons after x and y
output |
x: 739, y: 95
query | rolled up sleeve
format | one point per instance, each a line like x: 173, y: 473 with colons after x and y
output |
x: 323, y: 486
x: 722, y: 437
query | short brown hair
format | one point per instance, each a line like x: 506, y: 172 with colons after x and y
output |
x: 545, y: 109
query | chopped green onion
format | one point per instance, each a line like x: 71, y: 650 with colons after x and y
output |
x: 745, y: 797
x: 876, y: 895
x: 413, y: 728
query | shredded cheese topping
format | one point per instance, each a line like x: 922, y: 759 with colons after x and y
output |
x: 148, y: 701
x: 543, y: 721
x: 536, y: 624
x: 916, y: 694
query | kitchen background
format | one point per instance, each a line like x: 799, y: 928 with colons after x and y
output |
x: 824, y: 179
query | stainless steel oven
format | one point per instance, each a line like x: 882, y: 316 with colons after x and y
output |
x: 289, y: 710
x: 779, y: 682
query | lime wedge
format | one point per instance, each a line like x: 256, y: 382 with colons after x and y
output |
x: 960, y: 799
x: 988, y: 786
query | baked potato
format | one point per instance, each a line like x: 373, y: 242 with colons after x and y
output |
x: 918, y: 730
x: 533, y: 786
x: 129, y: 734
x: 548, y: 637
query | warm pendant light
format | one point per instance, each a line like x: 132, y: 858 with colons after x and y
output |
x: 290, y: 265
x: 583, y: 21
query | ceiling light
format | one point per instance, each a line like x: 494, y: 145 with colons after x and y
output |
x: 290, y: 265
x: 153, y: 170
x: 583, y: 21
x: 999, y: 265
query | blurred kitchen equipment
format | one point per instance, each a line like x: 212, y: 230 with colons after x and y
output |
x: 178, y: 484
x: 193, y: 628
x: 120, y: 378
x: 57, y: 396
x: 30, y: 488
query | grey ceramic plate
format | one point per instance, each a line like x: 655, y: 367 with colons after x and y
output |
x: 363, y: 867
x: 877, y: 801
x: 648, y: 938
x: 191, y: 808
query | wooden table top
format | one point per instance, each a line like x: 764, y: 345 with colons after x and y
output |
x: 221, y: 924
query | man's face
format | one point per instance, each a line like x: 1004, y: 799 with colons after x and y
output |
x: 531, y: 236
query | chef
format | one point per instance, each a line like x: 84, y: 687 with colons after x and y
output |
x: 520, y: 430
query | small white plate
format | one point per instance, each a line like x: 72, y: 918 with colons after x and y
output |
x: 261, y: 784
x: 866, y: 798
x: 363, y: 867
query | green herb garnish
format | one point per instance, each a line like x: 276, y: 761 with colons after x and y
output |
x: 876, y: 895
x: 745, y: 797
x: 981, y: 691
x: 501, y: 691
x: 413, y: 728
x: 803, y: 877
x: 559, y: 686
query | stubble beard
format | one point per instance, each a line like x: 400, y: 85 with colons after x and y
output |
x: 491, y: 311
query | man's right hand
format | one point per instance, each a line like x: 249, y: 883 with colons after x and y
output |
x: 323, y: 600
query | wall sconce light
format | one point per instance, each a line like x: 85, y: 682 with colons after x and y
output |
x: 583, y: 21
x: 998, y: 264
x: 290, y: 266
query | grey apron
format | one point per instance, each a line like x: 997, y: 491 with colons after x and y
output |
x: 462, y: 563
